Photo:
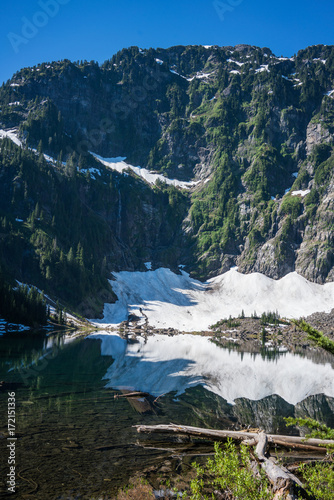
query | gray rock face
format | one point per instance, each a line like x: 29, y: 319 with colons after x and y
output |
x: 316, y: 134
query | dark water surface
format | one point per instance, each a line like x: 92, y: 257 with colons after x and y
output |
x: 75, y: 440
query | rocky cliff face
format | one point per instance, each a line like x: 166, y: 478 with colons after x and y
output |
x: 253, y: 131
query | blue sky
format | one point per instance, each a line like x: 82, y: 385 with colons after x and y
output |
x: 33, y: 31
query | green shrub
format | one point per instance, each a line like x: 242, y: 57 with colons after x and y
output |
x: 320, y: 153
x: 291, y: 205
x: 323, y: 172
x: 230, y: 470
x: 318, y: 478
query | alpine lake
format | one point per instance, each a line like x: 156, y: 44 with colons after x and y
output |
x: 75, y: 432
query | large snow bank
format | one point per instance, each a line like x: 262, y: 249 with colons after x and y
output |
x: 164, y: 364
x: 178, y: 301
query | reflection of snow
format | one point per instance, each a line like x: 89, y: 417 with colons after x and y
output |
x: 178, y: 301
x: 165, y: 364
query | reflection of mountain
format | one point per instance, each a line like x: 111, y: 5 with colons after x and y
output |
x: 276, y: 351
x: 200, y: 407
x: 319, y: 407
x: 268, y: 413
x: 197, y: 406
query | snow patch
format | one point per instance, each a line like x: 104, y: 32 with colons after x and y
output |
x: 12, y: 134
x: 178, y: 301
x: 288, y: 79
x: 92, y: 171
x: 263, y: 67
x: 301, y: 192
x: 175, y: 73
x: 235, y: 62
x: 199, y: 76
x: 285, y: 58
x: 145, y: 174
x: 159, y: 61
x: 148, y: 266
x: 235, y: 72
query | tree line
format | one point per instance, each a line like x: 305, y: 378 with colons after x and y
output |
x: 22, y: 304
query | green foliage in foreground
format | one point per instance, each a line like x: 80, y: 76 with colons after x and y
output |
x: 319, y: 477
x: 320, y: 431
x: 319, y: 480
x: 230, y: 471
x: 318, y: 337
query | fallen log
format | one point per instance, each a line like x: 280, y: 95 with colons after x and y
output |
x: 132, y: 395
x: 138, y: 400
x: 318, y: 445
x: 283, y: 482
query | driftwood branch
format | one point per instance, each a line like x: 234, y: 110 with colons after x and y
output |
x: 283, y: 481
x: 132, y: 395
x: 312, y: 444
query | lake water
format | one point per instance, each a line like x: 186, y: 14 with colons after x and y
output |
x: 75, y: 440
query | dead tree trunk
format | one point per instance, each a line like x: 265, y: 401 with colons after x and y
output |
x: 318, y: 445
x: 284, y: 484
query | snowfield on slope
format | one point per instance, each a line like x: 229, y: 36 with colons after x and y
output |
x: 163, y: 364
x: 11, y: 134
x: 179, y: 301
x: 120, y: 165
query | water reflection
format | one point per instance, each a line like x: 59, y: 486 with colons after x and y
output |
x: 162, y: 364
x: 75, y: 440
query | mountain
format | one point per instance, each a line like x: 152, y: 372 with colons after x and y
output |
x: 235, y: 147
